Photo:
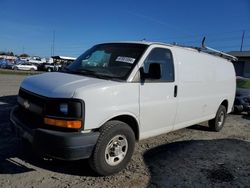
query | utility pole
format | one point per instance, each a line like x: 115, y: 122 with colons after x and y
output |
x: 242, y: 40
x: 53, y: 44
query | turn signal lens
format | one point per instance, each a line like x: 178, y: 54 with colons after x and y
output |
x: 74, y: 124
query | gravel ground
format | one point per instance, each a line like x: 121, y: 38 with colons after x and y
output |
x: 191, y: 157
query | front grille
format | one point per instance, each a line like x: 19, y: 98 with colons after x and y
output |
x: 34, y: 120
x: 28, y: 118
x: 34, y: 98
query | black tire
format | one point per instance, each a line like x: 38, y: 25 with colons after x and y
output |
x: 109, y: 131
x: 218, y: 122
x: 32, y: 69
x: 15, y: 68
x: 49, y: 70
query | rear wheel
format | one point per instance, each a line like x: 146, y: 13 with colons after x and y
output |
x: 32, y: 69
x: 114, y: 148
x: 217, y: 123
x: 49, y: 69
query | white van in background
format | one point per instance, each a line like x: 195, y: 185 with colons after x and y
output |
x: 118, y: 93
x: 36, y: 60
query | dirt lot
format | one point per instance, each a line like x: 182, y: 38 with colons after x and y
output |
x: 192, y: 157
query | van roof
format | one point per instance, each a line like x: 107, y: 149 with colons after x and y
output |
x: 142, y: 42
x: 209, y: 51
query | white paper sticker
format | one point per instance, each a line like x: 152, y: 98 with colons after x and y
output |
x: 125, y: 59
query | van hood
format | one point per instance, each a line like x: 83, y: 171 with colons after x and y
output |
x: 58, y: 85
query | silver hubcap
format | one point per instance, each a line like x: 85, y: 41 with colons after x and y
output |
x: 116, y: 150
x: 221, y: 118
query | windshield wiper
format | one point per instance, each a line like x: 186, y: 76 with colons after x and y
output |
x: 95, y: 74
x: 87, y: 71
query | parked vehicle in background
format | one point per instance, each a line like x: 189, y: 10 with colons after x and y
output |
x: 25, y: 66
x: 63, y: 60
x: 49, y: 60
x: 23, y: 58
x: 19, y: 61
x: 49, y: 67
x: 36, y: 60
x: 242, y: 98
x: 2, y: 63
x: 118, y: 93
x: 6, y: 64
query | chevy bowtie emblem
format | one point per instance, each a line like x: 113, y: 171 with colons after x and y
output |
x: 26, y: 104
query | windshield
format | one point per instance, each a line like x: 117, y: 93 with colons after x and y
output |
x: 114, y: 60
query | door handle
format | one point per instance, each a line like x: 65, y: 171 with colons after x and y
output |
x: 175, y: 90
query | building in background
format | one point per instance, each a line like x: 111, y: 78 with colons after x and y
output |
x: 8, y: 57
x: 242, y: 66
x: 63, y: 60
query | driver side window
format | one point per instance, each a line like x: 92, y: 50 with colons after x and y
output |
x: 164, y: 58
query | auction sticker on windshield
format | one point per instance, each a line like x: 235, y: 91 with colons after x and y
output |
x: 125, y: 59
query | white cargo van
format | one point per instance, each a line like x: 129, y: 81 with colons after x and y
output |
x: 118, y: 93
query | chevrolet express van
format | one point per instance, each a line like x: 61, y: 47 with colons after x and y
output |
x: 116, y: 94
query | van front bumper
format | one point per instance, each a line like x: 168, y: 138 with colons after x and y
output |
x: 56, y: 144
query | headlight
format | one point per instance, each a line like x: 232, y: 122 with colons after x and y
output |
x: 247, y: 100
x: 67, y: 108
x: 66, y: 113
x: 64, y: 108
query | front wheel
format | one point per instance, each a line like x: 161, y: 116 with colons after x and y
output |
x: 217, y: 123
x: 114, y: 148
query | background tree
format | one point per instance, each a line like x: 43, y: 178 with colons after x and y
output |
x: 23, y: 55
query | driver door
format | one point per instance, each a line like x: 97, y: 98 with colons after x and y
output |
x: 158, y: 101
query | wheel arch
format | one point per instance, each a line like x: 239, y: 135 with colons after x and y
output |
x: 225, y: 103
x: 131, y: 121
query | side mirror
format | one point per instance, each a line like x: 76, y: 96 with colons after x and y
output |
x: 154, y: 72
